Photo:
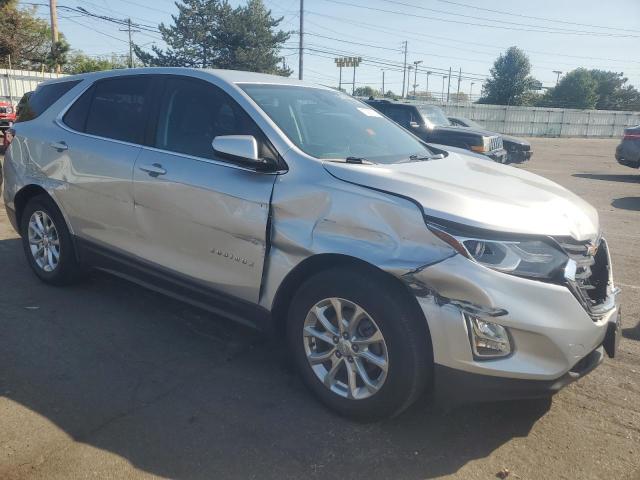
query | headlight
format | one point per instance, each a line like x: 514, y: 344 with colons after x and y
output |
x: 526, y: 258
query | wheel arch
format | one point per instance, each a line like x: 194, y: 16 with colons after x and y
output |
x: 325, y: 261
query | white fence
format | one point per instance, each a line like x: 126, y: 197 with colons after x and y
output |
x: 545, y: 122
x: 15, y: 83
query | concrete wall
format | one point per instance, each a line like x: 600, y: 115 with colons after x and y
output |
x: 546, y: 122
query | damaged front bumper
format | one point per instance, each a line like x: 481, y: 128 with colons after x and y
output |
x: 554, y: 341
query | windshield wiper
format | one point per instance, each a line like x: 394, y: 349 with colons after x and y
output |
x: 358, y: 160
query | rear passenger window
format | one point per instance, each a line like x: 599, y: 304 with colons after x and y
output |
x: 118, y: 108
x: 44, y: 96
x: 193, y: 113
x: 76, y: 116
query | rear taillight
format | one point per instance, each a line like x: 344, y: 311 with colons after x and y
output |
x: 631, y: 136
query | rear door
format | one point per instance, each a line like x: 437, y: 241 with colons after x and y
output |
x: 197, y: 214
x: 96, y: 149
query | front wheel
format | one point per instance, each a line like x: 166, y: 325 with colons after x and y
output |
x: 359, y: 343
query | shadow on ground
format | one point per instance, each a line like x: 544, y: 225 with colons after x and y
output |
x: 609, y: 177
x: 627, y: 203
x: 183, y: 395
x: 632, y: 333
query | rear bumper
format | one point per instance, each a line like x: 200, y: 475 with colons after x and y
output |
x: 628, y: 154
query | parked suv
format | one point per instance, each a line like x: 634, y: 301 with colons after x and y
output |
x: 628, y: 152
x: 389, y: 267
x: 518, y: 150
x: 431, y: 124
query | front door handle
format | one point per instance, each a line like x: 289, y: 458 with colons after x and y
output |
x: 60, y: 146
x: 153, y: 170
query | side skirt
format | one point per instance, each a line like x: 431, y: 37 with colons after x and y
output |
x: 172, y: 284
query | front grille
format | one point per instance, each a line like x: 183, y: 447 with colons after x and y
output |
x: 3, y: 109
x: 592, y: 277
x: 496, y: 143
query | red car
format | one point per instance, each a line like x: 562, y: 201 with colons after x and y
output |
x: 7, y: 117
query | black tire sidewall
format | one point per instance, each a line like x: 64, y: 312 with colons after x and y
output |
x: 67, y: 264
x: 408, y: 346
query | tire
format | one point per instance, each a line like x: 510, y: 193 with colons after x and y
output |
x: 64, y: 269
x: 386, y: 309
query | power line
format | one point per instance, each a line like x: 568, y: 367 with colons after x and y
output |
x: 502, y: 12
x: 420, y: 37
x: 506, y: 22
x: 475, y: 24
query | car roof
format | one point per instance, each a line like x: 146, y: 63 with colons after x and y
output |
x: 229, y: 76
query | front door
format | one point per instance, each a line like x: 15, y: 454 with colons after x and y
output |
x: 197, y: 214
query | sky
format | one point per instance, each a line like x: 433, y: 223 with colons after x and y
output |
x: 557, y: 35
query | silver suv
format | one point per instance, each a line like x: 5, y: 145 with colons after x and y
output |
x: 390, y: 266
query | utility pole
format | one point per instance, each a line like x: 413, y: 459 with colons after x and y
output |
x: 383, y: 83
x: 444, y: 77
x: 428, y: 73
x: 53, y: 11
x: 415, y: 76
x: 458, y: 91
x: 449, y: 85
x: 471, y: 91
x: 130, y: 31
x: 353, y: 86
x: 300, y: 54
x: 404, y: 69
x: 409, y: 68
x: 558, y: 73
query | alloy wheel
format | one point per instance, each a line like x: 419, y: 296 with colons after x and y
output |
x: 345, y: 348
x: 44, y: 242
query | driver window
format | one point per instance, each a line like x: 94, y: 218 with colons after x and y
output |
x: 193, y: 113
x: 400, y: 115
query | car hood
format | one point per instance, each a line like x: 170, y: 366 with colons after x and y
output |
x: 474, y: 192
x: 457, y: 130
x: 516, y: 140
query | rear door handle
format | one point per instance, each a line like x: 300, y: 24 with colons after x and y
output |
x: 153, y: 170
x: 60, y: 146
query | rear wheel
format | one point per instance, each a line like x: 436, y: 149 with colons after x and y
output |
x: 47, y: 242
x: 359, y: 344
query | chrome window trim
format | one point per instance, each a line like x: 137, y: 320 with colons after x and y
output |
x: 59, y: 121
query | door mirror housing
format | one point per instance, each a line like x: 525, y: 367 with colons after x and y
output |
x: 414, y: 124
x: 237, y: 147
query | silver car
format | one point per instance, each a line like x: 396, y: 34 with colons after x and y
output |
x: 389, y: 266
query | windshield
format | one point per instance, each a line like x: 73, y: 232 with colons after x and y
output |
x: 329, y: 124
x: 434, y: 116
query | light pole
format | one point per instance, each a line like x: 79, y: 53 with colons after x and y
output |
x: 428, y: 73
x: 558, y: 73
x: 471, y: 91
x: 415, y: 76
x: 383, y: 83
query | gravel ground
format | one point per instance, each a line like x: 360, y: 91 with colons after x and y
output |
x: 108, y: 380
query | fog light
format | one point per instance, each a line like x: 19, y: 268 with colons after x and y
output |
x: 488, y: 339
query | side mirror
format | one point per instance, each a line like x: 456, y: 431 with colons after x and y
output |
x: 237, y: 147
x: 414, y: 124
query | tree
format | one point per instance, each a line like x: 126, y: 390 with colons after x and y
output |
x: 26, y: 39
x: 510, y: 82
x: 577, y: 89
x: 612, y: 92
x: 78, y: 62
x: 212, y: 34
x: 366, y: 91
